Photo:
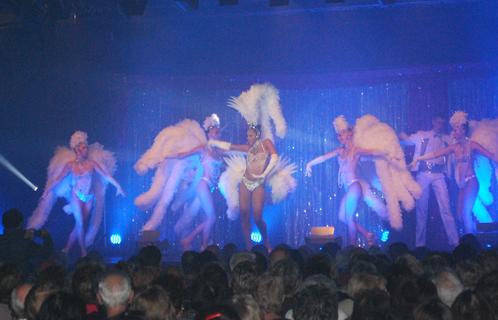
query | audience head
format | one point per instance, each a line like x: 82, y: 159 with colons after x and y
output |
x: 18, y: 299
x: 315, y: 302
x: 153, y: 303
x: 150, y: 256
x: 115, y: 291
x: 469, y: 306
x: 12, y: 219
x: 62, y: 305
x: 432, y: 310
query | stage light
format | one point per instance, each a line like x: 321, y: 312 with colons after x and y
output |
x: 16, y: 172
x: 278, y: 3
x: 384, y: 236
x: 115, y: 239
x: 256, y: 237
x: 133, y: 7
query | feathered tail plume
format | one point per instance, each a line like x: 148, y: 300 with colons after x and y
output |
x: 61, y: 157
x: 261, y: 105
x: 281, y: 180
x: 397, y: 183
x: 229, y: 183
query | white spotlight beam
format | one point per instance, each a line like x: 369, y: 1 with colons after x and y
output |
x: 16, y: 172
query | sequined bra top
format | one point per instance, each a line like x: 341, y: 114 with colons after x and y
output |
x: 256, y: 158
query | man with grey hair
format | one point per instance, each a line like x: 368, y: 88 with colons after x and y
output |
x: 17, y: 300
x: 115, y: 294
x: 448, y: 286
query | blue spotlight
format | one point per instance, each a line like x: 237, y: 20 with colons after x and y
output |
x: 115, y: 239
x: 384, y: 236
x: 256, y: 237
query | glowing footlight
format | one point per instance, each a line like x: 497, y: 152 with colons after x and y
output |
x: 16, y: 172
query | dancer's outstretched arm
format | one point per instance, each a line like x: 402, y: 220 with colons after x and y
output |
x: 103, y: 172
x: 224, y: 145
x: 485, y: 152
x: 434, y: 154
x: 320, y: 159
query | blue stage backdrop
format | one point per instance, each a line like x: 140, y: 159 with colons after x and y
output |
x: 147, y: 105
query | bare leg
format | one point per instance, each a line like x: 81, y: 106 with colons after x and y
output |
x: 189, y: 213
x: 245, y: 208
x: 78, y: 209
x: 258, y: 202
x: 350, y: 203
x: 207, y: 205
x: 205, y: 199
x: 467, y: 198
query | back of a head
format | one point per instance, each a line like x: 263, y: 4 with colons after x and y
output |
x: 150, y: 256
x: 432, y: 310
x: 37, y: 295
x: 448, y: 286
x: 373, y: 304
x: 468, y: 306
x: 62, y: 306
x: 315, y: 302
x: 487, y: 290
x: 469, y: 272
x: 364, y: 281
x: 153, y: 303
x: 84, y: 282
x: 114, y: 289
x: 10, y: 277
x: 279, y: 253
x: 12, y: 219
x: 318, y: 264
x: 270, y: 293
x: 18, y: 299
x: 210, y: 287
x: 289, y: 271
x: 189, y: 262
x: 247, y: 307
x: 244, y: 278
x: 144, y: 276
x: 174, y: 286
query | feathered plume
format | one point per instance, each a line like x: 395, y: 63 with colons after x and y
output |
x: 340, y: 124
x: 211, y: 121
x: 458, y: 119
x: 77, y: 138
x: 260, y: 105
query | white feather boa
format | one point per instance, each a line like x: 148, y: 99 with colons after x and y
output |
x: 280, y: 181
x: 62, y: 156
x: 397, y: 184
x: 181, y: 137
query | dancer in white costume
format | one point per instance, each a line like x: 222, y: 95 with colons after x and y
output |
x: 373, y: 138
x: 259, y: 106
x: 348, y: 156
x: 211, y: 161
x: 161, y: 156
x: 464, y: 151
x: 72, y: 175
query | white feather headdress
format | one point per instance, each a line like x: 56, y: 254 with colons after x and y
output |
x: 340, y: 124
x: 212, y: 121
x: 459, y: 118
x: 260, y: 105
x: 77, y: 138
